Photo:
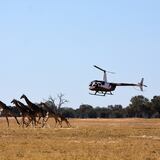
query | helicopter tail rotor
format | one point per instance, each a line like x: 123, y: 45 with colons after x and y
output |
x: 141, y: 84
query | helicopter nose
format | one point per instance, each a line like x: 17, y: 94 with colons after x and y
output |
x: 91, y: 87
x: 90, y: 84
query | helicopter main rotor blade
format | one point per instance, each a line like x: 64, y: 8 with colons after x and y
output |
x: 99, y: 68
x: 103, y: 70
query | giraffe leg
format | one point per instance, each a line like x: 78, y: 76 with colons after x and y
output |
x: 55, y: 122
x: 29, y: 121
x: 43, y: 122
x: 34, y: 121
x: 23, y: 121
x: 60, y: 122
x: 68, y: 124
x: 38, y: 121
x: 45, y: 119
x: 17, y: 121
x: 7, y: 121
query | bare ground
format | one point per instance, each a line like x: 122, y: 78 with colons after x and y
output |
x: 88, y: 139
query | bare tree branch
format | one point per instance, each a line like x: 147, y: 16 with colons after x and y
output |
x: 61, y: 100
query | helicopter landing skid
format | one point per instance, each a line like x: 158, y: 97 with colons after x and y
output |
x: 97, y: 94
x: 110, y: 93
x: 101, y: 94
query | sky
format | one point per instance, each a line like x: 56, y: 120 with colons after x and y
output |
x: 49, y: 47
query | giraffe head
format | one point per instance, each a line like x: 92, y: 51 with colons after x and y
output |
x: 14, y: 101
x: 23, y: 96
x: 42, y: 103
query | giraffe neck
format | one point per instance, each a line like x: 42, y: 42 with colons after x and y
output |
x: 20, y: 103
x: 16, y: 103
x: 28, y: 101
x: 18, y: 106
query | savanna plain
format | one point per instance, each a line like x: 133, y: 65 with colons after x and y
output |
x: 87, y: 139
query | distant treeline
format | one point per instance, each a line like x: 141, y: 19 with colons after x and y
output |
x: 140, y: 107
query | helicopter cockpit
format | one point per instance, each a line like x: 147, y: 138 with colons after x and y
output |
x: 95, y: 83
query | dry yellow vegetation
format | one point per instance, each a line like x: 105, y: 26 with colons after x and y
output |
x: 88, y: 139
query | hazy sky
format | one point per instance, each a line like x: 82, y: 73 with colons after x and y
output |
x: 50, y: 46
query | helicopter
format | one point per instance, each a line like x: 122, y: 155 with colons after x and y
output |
x: 103, y: 87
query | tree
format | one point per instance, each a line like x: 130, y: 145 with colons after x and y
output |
x: 155, y: 104
x: 102, y: 112
x: 56, y: 107
x: 85, y: 111
x: 115, y: 111
x: 68, y: 112
x: 138, y: 106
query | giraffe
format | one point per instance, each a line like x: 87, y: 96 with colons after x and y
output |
x: 38, y: 111
x: 64, y: 119
x: 23, y: 110
x: 30, y: 112
x: 51, y: 113
x: 8, y: 112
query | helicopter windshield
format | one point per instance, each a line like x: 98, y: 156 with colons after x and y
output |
x: 96, y: 83
x: 91, y: 83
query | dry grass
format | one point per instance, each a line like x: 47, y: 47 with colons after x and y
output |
x: 91, y: 139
